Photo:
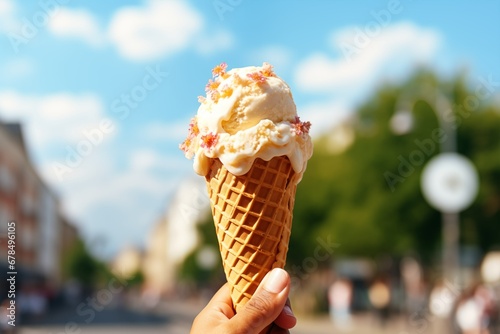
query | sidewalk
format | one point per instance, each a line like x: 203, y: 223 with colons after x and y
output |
x: 367, y: 323
x: 361, y: 324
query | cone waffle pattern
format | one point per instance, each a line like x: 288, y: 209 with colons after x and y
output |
x: 253, y: 217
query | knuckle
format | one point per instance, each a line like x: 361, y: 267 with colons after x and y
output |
x: 259, y: 306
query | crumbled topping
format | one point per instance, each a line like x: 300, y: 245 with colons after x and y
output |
x: 211, y: 85
x: 215, y: 95
x: 193, y: 132
x: 211, y: 89
x: 185, y: 146
x: 219, y: 70
x: 193, y: 127
x: 299, y: 127
x: 267, y: 70
x: 209, y: 140
x: 262, y: 75
x: 258, y: 77
x: 226, y: 91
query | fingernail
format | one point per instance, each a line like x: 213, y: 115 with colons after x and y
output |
x: 276, y: 280
x: 288, y: 311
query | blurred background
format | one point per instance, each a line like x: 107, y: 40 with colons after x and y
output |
x: 396, y: 224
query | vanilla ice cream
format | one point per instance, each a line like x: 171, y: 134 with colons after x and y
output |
x: 248, y: 113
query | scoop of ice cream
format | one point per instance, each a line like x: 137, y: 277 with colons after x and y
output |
x: 248, y: 113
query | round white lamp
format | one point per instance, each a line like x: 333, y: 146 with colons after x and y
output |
x: 449, y: 182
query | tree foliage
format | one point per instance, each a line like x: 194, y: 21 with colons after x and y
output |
x: 191, y: 270
x: 79, y: 264
x: 368, y: 197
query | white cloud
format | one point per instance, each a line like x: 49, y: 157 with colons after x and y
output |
x: 391, y: 54
x: 157, y: 29
x: 276, y: 55
x: 214, y: 42
x: 112, y: 188
x: 153, y: 30
x: 176, y: 131
x: 148, y: 160
x: 144, y: 159
x: 77, y: 23
x: 6, y: 7
x: 7, y: 15
x: 58, y: 118
x: 324, y: 115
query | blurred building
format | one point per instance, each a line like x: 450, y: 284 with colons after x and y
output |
x: 156, y: 268
x: 128, y: 262
x: 175, y: 236
x: 42, y: 234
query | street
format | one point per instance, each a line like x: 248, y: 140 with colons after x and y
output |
x: 176, y: 318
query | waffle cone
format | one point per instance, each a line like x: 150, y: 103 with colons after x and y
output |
x: 253, y: 217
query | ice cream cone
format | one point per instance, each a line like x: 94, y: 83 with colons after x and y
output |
x: 253, y: 217
x: 249, y: 143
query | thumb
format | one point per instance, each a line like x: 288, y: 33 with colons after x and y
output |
x: 266, y: 304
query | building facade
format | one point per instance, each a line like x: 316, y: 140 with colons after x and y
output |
x: 42, y: 234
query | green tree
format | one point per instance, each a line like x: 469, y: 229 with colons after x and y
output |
x: 137, y: 278
x: 368, y: 197
x: 191, y: 270
x: 79, y: 264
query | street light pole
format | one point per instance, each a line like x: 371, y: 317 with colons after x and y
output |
x: 451, y: 236
x: 450, y: 220
x: 449, y: 177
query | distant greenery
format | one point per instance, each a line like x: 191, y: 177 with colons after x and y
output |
x: 79, y: 264
x: 191, y: 271
x: 348, y: 197
x: 137, y: 278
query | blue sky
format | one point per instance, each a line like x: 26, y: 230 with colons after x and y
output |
x: 68, y: 81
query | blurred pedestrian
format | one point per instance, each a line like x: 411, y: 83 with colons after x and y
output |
x: 339, y: 299
x: 379, y: 294
x: 413, y: 282
x: 475, y: 310
x: 72, y: 292
x: 442, y: 298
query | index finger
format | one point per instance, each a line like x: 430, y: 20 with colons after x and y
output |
x: 222, y: 302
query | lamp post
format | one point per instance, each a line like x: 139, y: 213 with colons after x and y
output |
x: 449, y: 181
